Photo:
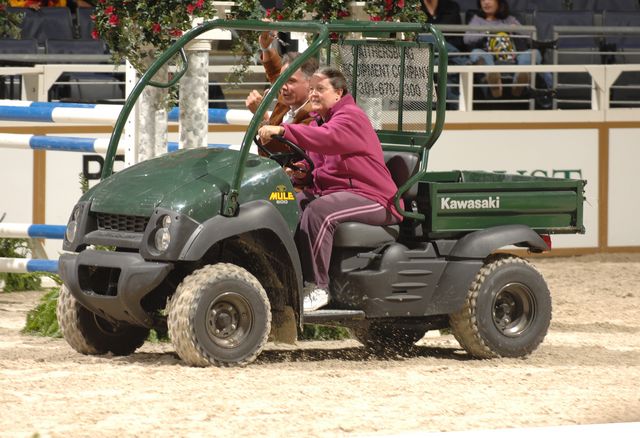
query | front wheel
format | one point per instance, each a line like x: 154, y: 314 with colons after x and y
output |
x: 220, y: 315
x: 87, y: 333
x: 507, y: 311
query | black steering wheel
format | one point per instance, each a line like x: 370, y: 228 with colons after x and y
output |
x: 287, y: 159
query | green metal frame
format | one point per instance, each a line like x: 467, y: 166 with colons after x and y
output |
x: 322, y: 31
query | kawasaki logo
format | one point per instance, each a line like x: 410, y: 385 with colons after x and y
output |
x: 469, y: 204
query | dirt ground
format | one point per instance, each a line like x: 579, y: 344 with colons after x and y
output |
x: 587, y: 371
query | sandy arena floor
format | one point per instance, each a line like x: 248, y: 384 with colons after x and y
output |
x: 586, y: 371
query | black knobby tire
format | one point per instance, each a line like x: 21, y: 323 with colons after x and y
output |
x: 507, y: 311
x: 87, y: 333
x: 220, y: 315
x: 388, y: 338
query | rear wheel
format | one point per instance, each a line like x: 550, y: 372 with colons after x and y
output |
x: 87, y: 333
x: 220, y: 315
x: 507, y: 311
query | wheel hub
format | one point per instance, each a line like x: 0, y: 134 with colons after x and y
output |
x: 229, y: 319
x: 513, y: 309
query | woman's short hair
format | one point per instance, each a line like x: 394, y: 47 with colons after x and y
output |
x: 336, y: 78
x: 502, y: 13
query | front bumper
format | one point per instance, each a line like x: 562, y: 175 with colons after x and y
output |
x: 113, y: 284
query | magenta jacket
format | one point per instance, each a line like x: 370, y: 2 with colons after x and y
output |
x: 347, y: 154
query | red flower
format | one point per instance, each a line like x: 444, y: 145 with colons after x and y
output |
x: 190, y: 9
x: 113, y: 20
x: 343, y: 13
x: 156, y: 28
x: 280, y: 17
x: 401, y: 3
x: 199, y: 3
x: 109, y: 10
x: 375, y: 18
x: 175, y: 32
x: 269, y: 12
x: 95, y: 35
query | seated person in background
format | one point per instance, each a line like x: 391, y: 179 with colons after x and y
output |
x: 499, y: 48
x: 446, y: 12
x: 350, y: 181
x: 37, y: 4
x: 293, y: 103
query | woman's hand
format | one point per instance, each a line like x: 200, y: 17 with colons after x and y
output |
x: 267, y: 131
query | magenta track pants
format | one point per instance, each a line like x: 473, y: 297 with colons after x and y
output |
x: 320, y: 217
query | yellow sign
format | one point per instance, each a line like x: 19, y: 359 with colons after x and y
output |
x: 281, y: 195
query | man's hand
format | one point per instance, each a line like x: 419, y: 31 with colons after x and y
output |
x: 253, y: 101
x: 268, y: 131
x: 266, y: 38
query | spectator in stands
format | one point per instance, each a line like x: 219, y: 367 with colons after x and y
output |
x: 37, y: 4
x: 446, y: 12
x: 499, y: 48
x: 293, y: 103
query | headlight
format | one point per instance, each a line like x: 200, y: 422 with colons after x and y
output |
x: 162, y: 238
x: 72, y: 226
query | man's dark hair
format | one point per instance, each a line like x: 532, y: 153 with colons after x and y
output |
x: 502, y: 13
x: 308, y: 68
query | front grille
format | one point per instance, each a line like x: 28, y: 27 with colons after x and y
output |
x: 121, y: 222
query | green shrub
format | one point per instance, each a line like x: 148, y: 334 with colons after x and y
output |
x: 314, y: 332
x: 41, y: 320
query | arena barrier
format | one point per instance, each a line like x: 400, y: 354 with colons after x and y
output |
x: 84, y: 113
x: 29, y: 231
x: 72, y: 144
x: 23, y: 266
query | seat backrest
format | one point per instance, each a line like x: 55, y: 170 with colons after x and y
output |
x: 77, y: 47
x: 623, y: 19
x: 403, y: 165
x: 547, y: 20
x: 45, y: 23
x: 548, y: 5
x: 85, y: 24
x: 465, y: 5
x: 583, y: 5
x: 617, y: 5
x: 18, y: 46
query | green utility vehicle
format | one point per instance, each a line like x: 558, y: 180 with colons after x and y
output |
x: 201, y: 241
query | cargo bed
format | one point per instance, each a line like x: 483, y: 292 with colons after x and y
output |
x: 457, y: 202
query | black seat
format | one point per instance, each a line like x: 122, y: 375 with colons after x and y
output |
x: 402, y: 165
x: 85, y: 24
x: 548, y: 5
x: 617, y: 5
x: 625, y: 92
x: 45, y: 23
x: 583, y: 5
x: 573, y: 90
x: 84, y: 87
x: 11, y: 85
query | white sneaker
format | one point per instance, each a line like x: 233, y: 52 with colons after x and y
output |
x: 315, y: 298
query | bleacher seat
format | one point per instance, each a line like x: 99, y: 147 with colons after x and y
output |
x: 583, y: 5
x: 81, y: 86
x: 548, y: 5
x: 45, y: 23
x: 85, y: 23
x: 617, y: 5
x: 626, y: 90
x: 573, y: 89
x: 10, y: 85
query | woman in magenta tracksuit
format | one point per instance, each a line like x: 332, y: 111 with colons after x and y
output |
x: 350, y: 182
